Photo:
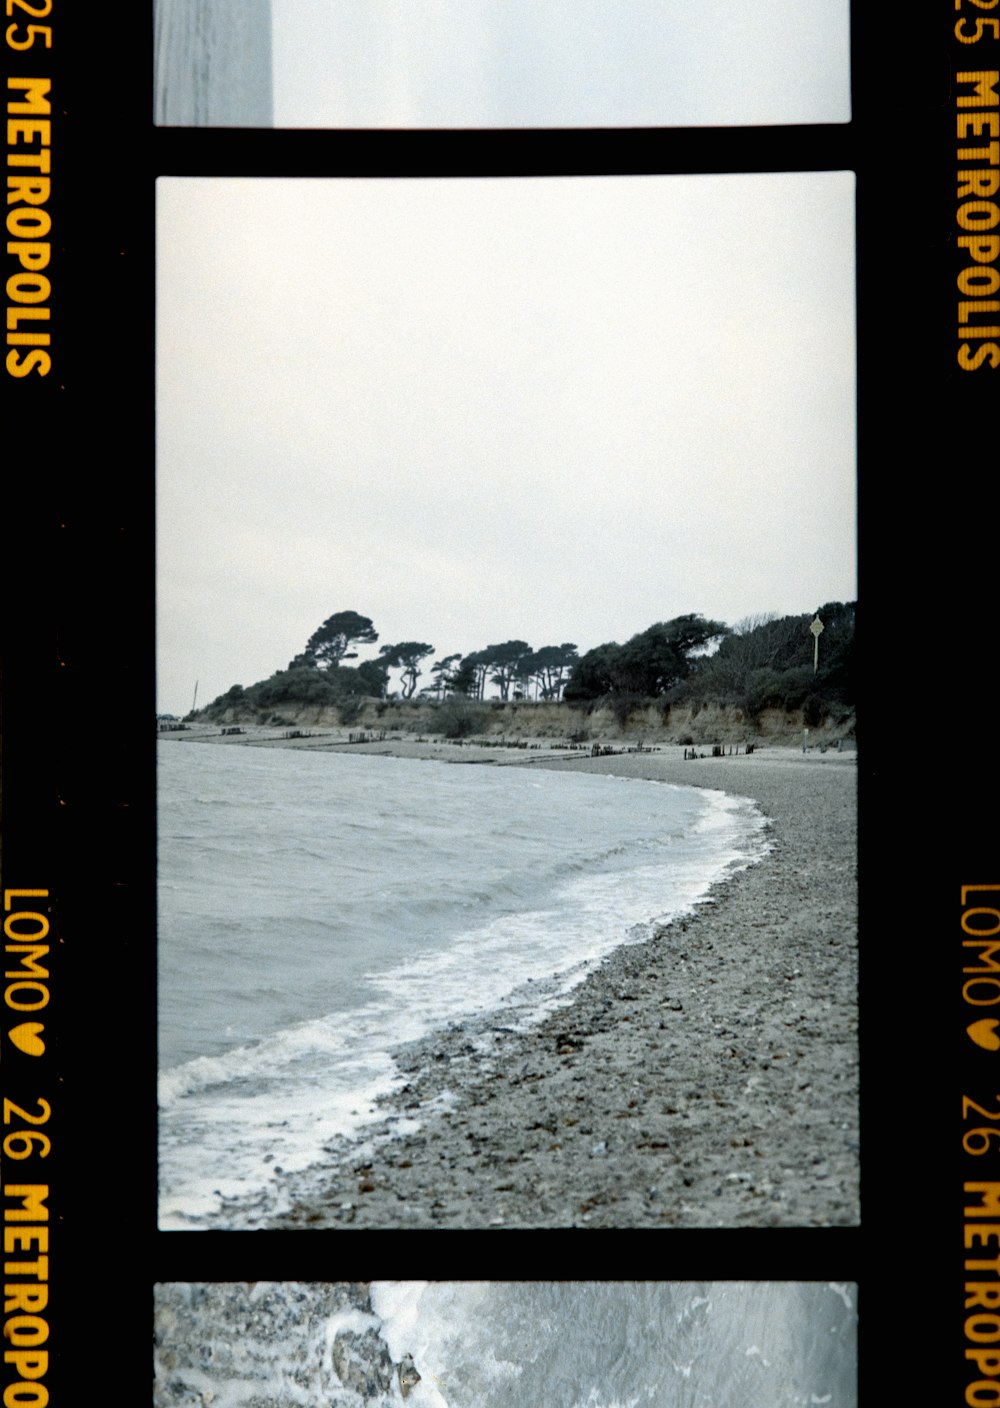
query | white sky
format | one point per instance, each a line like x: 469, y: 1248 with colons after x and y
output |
x: 572, y: 63
x: 473, y: 410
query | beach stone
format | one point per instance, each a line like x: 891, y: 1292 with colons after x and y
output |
x: 408, y: 1376
x: 752, y: 1001
x: 363, y: 1362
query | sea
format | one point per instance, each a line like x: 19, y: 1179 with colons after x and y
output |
x: 318, y: 910
x: 212, y: 63
x: 524, y: 1344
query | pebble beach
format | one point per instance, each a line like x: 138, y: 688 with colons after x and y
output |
x: 706, y: 1078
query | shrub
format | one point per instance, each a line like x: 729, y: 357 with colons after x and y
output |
x: 298, y: 686
x: 624, y: 705
x: 350, y: 710
x: 765, y: 689
x: 813, y: 711
x: 456, y: 718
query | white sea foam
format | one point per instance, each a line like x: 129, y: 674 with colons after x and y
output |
x: 318, y: 912
x: 567, y: 1344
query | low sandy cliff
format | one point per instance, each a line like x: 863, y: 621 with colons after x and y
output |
x: 493, y: 719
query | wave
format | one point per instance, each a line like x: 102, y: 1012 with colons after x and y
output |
x: 293, y: 1025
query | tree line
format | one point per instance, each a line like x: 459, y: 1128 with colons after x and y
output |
x: 513, y: 666
x: 764, y: 661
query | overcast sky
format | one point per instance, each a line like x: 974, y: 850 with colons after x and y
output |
x: 497, y: 63
x: 476, y: 410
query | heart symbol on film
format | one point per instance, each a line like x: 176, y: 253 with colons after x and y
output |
x: 26, y: 1038
x: 984, y: 1033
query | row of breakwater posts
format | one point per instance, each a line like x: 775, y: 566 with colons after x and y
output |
x: 521, y: 743
x: 608, y: 750
x: 718, y: 751
x: 594, y: 750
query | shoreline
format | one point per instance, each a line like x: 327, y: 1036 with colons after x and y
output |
x: 705, y: 1078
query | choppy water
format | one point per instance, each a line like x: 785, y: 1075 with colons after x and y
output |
x: 316, y: 911
x: 212, y: 63
x: 568, y: 1344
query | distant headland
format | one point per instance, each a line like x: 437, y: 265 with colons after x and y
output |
x: 688, y: 680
